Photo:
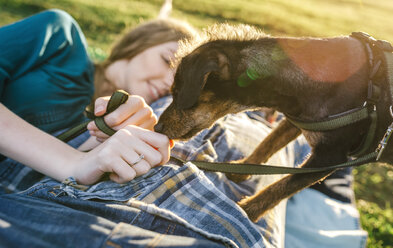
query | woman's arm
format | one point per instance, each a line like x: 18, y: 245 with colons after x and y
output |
x: 33, y: 147
x: 50, y: 156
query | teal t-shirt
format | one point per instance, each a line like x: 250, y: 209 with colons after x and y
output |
x: 46, y: 76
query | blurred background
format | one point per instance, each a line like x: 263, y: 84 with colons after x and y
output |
x: 103, y: 21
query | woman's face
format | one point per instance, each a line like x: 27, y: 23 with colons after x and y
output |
x: 148, y: 74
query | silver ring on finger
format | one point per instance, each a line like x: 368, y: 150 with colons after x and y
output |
x: 141, y: 156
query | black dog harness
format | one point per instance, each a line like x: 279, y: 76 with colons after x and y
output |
x: 368, y: 110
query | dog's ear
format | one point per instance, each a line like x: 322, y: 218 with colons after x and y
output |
x: 223, y: 66
x: 195, y: 73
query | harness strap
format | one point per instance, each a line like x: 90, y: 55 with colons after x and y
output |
x: 373, y: 94
x: 118, y: 97
x: 264, y: 169
x: 331, y: 123
x: 369, y: 137
x: 389, y: 68
x: 389, y: 75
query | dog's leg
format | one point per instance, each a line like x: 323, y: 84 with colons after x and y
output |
x: 280, y: 136
x: 256, y: 205
x: 284, y: 133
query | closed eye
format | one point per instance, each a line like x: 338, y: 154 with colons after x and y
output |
x: 165, y: 60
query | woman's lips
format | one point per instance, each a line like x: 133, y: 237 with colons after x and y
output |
x: 153, y: 91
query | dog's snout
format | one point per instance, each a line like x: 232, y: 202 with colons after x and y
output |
x: 159, y: 127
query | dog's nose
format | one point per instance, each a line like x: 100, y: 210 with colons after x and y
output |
x: 159, y: 127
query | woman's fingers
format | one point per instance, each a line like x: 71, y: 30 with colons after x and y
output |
x: 137, y: 159
x: 120, y: 171
x: 149, y: 124
x: 134, y: 112
x: 151, y: 155
x: 124, y: 111
x: 132, y: 152
x: 143, y: 118
x: 158, y: 149
x: 100, y: 105
x: 121, y: 162
x: 123, y: 170
x: 134, y: 138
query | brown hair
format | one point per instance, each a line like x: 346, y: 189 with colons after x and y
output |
x: 137, y: 40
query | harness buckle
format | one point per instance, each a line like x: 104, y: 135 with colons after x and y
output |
x: 370, y: 105
x: 382, y: 144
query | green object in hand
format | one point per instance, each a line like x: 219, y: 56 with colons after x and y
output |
x: 118, y: 98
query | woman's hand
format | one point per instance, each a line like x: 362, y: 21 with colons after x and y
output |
x: 117, y: 155
x: 133, y: 112
x: 44, y: 153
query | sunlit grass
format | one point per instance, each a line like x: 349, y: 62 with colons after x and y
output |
x: 104, y: 21
x: 374, y: 191
x: 378, y: 222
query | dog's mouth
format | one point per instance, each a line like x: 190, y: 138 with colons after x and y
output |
x: 191, y: 133
x: 181, y: 136
x: 182, y: 125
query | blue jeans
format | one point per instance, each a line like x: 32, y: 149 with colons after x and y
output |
x: 52, y: 220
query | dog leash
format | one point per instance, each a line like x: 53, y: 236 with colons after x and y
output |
x: 264, y: 169
x: 118, y: 98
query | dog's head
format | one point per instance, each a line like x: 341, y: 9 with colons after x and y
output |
x: 206, y: 84
x: 197, y: 101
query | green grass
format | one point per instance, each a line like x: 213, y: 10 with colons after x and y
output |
x: 104, y: 21
x: 373, y: 190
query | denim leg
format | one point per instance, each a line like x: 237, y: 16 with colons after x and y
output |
x: 78, y: 224
x: 31, y: 222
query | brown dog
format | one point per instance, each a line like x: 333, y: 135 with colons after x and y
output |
x: 307, y: 79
